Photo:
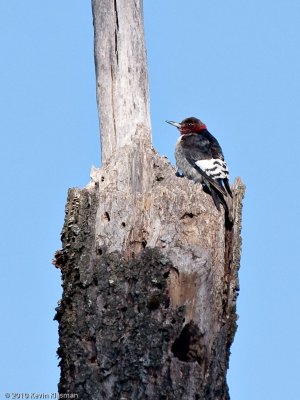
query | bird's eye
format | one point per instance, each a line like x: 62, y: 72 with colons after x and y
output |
x: 190, y: 124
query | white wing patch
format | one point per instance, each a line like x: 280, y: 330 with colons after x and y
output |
x: 214, y: 167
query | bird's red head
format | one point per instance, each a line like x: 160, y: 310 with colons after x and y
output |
x: 188, y: 125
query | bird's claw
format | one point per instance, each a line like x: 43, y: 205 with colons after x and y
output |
x: 179, y: 174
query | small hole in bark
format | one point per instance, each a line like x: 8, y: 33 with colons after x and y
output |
x: 173, y: 321
x: 106, y: 216
x: 144, y: 243
x: 189, y: 339
x: 153, y: 303
x: 166, y: 274
x: 124, y: 309
x: 158, y: 285
x: 123, y: 224
x: 102, y: 178
x: 181, y: 345
x: 188, y: 215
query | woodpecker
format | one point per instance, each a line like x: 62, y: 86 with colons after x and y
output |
x: 199, y: 157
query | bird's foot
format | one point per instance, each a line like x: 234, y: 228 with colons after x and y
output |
x: 179, y: 174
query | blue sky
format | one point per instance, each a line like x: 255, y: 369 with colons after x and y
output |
x: 235, y: 65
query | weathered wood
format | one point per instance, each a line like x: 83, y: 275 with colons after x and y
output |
x: 121, y: 74
x: 135, y: 324
x: 150, y: 272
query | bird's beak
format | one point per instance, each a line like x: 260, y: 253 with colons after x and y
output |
x: 177, y: 124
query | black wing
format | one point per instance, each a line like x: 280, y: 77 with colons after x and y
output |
x: 204, y: 146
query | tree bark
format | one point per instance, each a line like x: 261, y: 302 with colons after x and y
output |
x: 149, y: 270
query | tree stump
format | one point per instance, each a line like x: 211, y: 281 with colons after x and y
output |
x: 149, y: 270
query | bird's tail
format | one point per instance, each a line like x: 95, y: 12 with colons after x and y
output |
x: 227, y: 186
x: 216, y: 197
x: 219, y: 199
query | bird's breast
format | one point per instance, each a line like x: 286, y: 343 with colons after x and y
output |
x: 184, y: 166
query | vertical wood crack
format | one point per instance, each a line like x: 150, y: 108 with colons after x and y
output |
x: 116, y: 31
x: 113, y: 103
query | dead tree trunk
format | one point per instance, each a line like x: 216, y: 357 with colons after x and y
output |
x: 149, y: 270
